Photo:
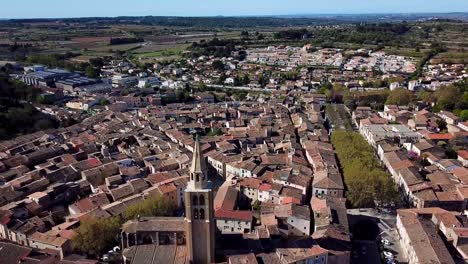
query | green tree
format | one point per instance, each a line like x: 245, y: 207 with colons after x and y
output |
x: 464, y: 115
x: 92, y: 72
x: 218, y: 65
x: 400, y: 96
x: 152, y: 206
x: 104, y: 102
x: 43, y: 124
x: 215, y: 132
x: 441, y: 124
x: 365, y: 180
x: 426, y: 96
x: 94, y: 236
x: 246, y: 79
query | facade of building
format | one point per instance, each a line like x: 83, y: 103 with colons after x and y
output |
x: 199, y: 216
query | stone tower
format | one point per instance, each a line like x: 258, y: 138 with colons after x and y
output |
x: 199, y: 215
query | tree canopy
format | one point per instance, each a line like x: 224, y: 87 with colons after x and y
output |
x: 94, y: 236
x: 450, y: 98
x: 17, y: 116
x: 365, y: 180
x: 400, y: 96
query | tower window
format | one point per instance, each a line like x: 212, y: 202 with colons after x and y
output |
x: 202, y: 200
x: 202, y: 214
x: 194, y: 200
x: 195, y: 214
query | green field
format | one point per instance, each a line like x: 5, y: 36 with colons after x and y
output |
x: 167, y: 52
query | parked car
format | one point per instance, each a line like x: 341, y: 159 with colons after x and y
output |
x: 388, y: 255
x: 385, y: 242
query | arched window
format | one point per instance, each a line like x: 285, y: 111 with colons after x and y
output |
x: 197, y: 177
x: 202, y: 200
x: 195, y: 213
x: 194, y: 200
x: 202, y: 214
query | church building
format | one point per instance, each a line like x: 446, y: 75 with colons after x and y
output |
x: 176, y: 239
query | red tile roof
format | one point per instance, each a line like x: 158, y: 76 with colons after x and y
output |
x: 234, y: 214
x: 463, y: 154
x: 289, y: 200
x: 445, y: 136
x: 264, y: 187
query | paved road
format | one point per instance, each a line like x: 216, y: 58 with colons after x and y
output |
x: 387, y: 227
x: 242, y: 88
x: 365, y: 252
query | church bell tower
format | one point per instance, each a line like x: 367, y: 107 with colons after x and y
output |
x: 199, y: 218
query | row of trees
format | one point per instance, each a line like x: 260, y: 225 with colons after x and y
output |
x: 400, y: 96
x: 218, y: 48
x: 96, y: 235
x: 384, y: 34
x: 91, y: 69
x: 367, y: 183
x: 119, y: 41
x: 292, y: 34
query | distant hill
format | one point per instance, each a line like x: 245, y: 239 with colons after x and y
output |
x: 254, y: 21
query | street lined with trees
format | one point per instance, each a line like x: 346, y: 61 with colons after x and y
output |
x: 367, y: 183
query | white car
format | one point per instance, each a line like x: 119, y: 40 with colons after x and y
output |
x: 385, y: 242
x: 388, y: 255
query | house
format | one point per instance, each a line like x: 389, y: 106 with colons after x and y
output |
x: 420, y: 240
x: 293, y: 219
x: 449, y: 117
x: 229, y: 220
x: 421, y: 146
x: 463, y: 125
x: 463, y: 157
x: 302, y: 251
x: 207, y: 98
x: 397, y: 133
x: 229, y: 81
x: 248, y: 187
x: 149, y: 82
x: 417, y: 123
x: 46, y: 241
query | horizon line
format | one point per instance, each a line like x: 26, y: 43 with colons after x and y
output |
x: 243, y: 16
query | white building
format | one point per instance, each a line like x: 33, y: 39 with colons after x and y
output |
x: 149, y: 82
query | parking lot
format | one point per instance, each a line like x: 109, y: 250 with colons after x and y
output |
x: 386, y: 224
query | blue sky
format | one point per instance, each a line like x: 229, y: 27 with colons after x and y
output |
x: 87, y: 8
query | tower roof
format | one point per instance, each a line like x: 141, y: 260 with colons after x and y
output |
x: 198, y: 164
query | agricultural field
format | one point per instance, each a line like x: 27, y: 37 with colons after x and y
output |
x: 159, y: 53
x: 451, y: 57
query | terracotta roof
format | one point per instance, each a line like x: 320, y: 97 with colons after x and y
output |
x: 233, y: 214
x: 445, y: 136
x: 49, y: 240
x: 461, y: 173
x: 265, y: 187
x: 463, y: 154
